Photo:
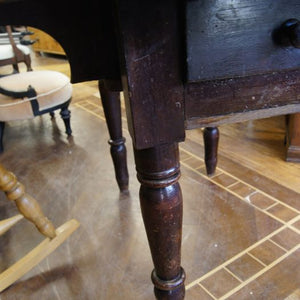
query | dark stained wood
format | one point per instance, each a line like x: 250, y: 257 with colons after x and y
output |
x: 108, y: 257
x: 151, y: 49
x: 261, y: 95
x: 84, y: 29
x: 211, y: 141
x: 293, y: 138
x: 150, y: 38
x: 161, y: 203
x: 112, y: 110
x: 235, y: 38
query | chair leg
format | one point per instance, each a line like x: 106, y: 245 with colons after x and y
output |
x: 27, y: 205
x: 30, y: 209
x: 211, y: 141
x: 15, y: 68
x: 112, y: 110
x: 27, y: 61
x: 2, y: 126
x: 66, y: 115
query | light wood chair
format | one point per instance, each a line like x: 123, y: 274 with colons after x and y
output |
x: 30, y: 209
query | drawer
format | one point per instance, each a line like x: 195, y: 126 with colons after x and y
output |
x: 235, y: 38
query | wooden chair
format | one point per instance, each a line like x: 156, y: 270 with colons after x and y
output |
x: 11, y: 52
x: 29, y: 94
x: 30, y: 209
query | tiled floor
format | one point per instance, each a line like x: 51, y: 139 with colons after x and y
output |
x: 234, y: 277
x: 241, y: 227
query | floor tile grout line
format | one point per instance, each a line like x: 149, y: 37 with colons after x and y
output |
x: 270, y: 266
x: 249, y: 185
x: 257, y: 259
x: 237, y: 195
x: 208, y: 178
x: 270, y: 206
x: 294, y: 228
x: 207, y: 291
x: 101, y: 108
x: 89, y: 111
x: 232, y: 274
x: 95, y: 114
x: 279, y: 246
x: 231, y: 185
x: 238, y: 255
x: 195, y: 156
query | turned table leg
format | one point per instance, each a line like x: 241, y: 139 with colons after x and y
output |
x: 211, y: 141
x: 110, y: 98
x: 161, y: 204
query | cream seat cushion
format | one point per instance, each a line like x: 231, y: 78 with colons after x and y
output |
x: 52, y: 89
x: 6, y: 51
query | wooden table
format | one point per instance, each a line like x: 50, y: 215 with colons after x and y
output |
x: 183, y: 65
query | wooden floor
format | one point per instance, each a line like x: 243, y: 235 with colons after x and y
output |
x: 241, y: 232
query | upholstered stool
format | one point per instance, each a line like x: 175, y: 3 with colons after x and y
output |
x: 29, y: 94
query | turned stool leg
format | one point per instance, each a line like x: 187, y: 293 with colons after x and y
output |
x: 161, y: 205
x: 211, y: 141
x: 65, y: 115
x: 26, y: 204
x: 112, y: 109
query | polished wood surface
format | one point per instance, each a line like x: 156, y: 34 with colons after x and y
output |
x: 44, y: 42
x: 112, y: 109
x: 211, y: 141
x: 108, y: 256
x: 226, y: 40
x: 145, y: 43
x: 26, y: 204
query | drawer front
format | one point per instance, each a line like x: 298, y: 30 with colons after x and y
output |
x: 234, y: 38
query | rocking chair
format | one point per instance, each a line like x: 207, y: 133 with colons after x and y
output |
x: 30, y: 209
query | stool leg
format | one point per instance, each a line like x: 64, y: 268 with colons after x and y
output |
x: 2, y: 126
x: 211, y: 141
x: 27, y: 61
x: 66, y: 115
x: 112, y: 110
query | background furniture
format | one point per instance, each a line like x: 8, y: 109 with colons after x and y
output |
x: 30, y: 209
x: 12, y: 52
x: 45, y: 43
x: 168, y: 88
x: 293, y: 138
x: 29, y: 94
